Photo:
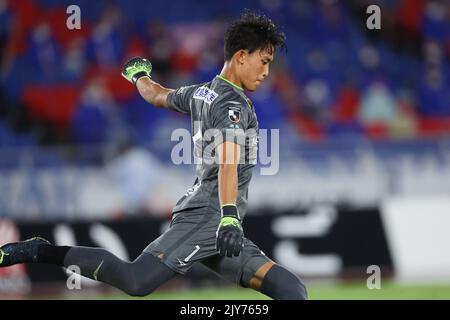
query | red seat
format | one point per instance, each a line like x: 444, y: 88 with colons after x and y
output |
x: 117, y: 85
x: 432, y: 126
x: 347, y: 106
x: 55, y: 104
x: 27, y: 13
x: 376, y: 131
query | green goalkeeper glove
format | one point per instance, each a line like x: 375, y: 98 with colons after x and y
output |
x: 230, y: 236
x: 136, y: 68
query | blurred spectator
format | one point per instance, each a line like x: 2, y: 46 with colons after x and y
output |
x: 44, y: 54
x: 370, y: 62
x: 74, y: 63
x: 161, y: 46
x: 434, y: 54
x: 436, y: 25
x: 378, y: 109
x: 210, y: 61
x: 406, y: 123
x: 330, y: 22
x: 106, y: 46
x: 92, y: 119
x: 433, y: 96
x: 317, y: 100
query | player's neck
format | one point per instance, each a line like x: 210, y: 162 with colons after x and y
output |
x: 229, y: 74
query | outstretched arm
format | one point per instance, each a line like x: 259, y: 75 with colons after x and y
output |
x: 153, y: 92
x: 138, y: 72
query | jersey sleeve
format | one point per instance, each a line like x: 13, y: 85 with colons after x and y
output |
x: 229, y: 122
x: 179, y: 100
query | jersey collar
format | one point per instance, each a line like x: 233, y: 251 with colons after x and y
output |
x: 229, y: 82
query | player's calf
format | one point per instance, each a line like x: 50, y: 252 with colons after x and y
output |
x: 138, y: 278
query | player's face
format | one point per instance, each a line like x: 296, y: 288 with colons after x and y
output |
x: 255, y: 68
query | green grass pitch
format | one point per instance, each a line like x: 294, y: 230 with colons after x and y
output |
x: 346, y: 291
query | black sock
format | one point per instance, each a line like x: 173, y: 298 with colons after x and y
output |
x: 51, y: 254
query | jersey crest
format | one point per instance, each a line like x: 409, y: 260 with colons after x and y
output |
x: 234, y: 114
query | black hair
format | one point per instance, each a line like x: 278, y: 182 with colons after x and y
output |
x: 250, y: 32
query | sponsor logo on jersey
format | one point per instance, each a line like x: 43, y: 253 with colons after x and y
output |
x: 205, y: 94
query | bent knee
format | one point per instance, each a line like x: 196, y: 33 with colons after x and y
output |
x: 139, y: 286
x: 281, y: 284
x: 143, y: 282
x: 139, y: 289
x: 300, y: 292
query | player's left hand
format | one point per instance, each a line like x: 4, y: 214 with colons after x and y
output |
x: 136, y: 68
x: 230, y: 237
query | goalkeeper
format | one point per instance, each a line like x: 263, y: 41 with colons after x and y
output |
x: 206, y: 224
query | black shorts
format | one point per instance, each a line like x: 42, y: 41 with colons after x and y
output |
x: 191, y: 238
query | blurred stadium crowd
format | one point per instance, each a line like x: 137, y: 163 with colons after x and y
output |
x: 339, y: 83
x: 61, y: 86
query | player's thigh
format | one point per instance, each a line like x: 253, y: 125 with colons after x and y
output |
x: 190, y: 238
x: 240, y: 269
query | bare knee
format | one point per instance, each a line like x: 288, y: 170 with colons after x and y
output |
x: 257, y: 279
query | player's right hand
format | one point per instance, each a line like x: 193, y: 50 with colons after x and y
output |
x: 136, y: 68
x: 230, y: 237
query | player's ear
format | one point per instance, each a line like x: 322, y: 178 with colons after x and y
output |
x: 241, y: 55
